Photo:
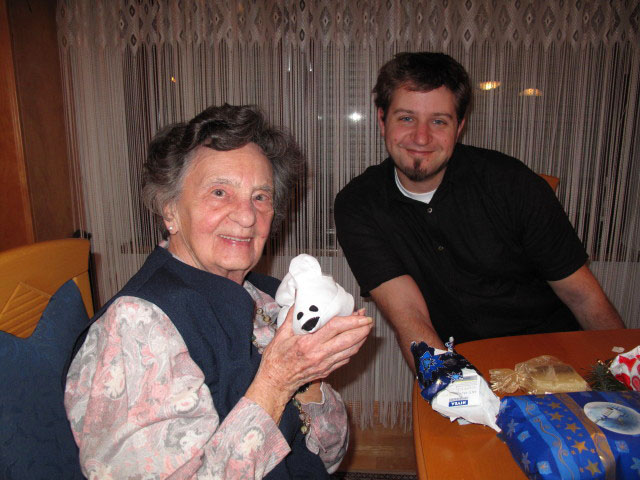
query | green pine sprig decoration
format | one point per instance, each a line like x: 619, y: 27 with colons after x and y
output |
x: 601, y: 379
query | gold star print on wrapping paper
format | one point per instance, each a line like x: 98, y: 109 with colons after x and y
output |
x: 564, y: 420
x: 572, y: 426
x: 593, y: 468
x: 556, y: 416
x: 580, y: 446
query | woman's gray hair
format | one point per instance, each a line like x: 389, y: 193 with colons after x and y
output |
x: 221, y: 128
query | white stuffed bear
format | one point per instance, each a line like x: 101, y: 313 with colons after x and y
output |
x: 317, y: 297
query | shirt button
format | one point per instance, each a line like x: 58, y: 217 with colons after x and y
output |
x: 429, y: 210
x: 440, y: 248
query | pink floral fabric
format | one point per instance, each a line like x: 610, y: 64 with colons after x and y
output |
x: 139, y: 408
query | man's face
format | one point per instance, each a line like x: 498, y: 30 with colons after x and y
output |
x: 420, y: 132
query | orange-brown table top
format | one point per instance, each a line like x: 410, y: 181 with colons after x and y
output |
x: 447, y: 450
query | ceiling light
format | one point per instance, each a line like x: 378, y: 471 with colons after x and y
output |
x: 492, y: 85
x: 530, y: 92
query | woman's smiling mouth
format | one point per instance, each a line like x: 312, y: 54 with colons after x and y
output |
x: 235, y: 239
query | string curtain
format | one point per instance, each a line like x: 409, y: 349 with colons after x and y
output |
x: 563, y: 96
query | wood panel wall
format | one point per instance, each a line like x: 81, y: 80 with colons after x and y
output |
x: 16, y: 227
x: 34, y: 179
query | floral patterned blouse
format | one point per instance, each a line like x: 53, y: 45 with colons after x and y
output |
x: 139, y: 407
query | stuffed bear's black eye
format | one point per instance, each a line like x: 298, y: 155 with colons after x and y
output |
x: 300, y: 315
x: 313, y: 308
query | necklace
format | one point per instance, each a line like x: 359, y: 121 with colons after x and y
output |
x: 304, y: 417
x: 263, y: 325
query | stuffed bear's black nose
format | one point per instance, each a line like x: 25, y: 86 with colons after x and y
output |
x: 309, y: 324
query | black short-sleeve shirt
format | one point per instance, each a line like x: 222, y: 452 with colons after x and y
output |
x: 481, y: 251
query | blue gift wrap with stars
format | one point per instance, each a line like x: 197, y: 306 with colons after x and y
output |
x: 574, y: 435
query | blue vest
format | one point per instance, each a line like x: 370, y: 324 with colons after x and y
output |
x: 214, y: 315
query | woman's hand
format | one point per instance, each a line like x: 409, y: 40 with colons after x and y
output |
x: 291, y: 360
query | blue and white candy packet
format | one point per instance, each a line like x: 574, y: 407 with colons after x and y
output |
x: 453, y: 386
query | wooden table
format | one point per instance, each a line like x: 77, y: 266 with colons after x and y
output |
x: 446, y: 450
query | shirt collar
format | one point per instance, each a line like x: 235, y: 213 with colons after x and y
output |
x: 421, y: 197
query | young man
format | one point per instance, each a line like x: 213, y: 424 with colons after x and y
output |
x: 453, y: 240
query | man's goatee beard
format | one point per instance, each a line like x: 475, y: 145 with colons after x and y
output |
x: 417, y: 174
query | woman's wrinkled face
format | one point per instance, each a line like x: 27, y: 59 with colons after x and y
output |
x: 222, y: 218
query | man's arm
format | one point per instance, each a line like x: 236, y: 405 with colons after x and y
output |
x: 584, y: 296
x: 403, y: 305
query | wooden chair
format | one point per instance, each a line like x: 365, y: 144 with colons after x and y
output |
x: 31, y: 274
x: 551, y: 180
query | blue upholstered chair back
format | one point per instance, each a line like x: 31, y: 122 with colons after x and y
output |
x: 35, y: 437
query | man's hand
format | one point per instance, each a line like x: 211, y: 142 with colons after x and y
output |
x: 584, y: 296
x: 403, y: 305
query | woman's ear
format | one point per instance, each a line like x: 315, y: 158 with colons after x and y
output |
x: 170, y: 218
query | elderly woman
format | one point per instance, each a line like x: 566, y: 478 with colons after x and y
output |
x: 183, y: 375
